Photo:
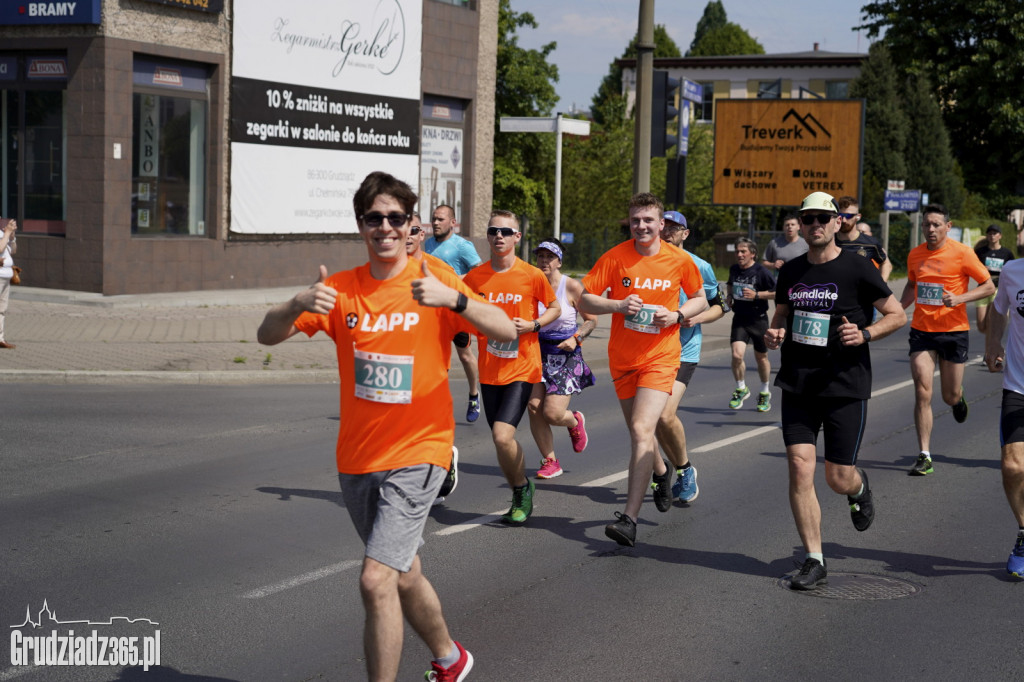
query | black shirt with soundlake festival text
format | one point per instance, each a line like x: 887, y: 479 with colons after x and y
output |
x: 814, y: 360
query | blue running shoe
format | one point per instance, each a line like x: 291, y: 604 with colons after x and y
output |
x: 685, y: 488
x: 473, y: 409
x: 1015, y: 565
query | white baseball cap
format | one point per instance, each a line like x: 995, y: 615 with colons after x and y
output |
x: 819, y: 201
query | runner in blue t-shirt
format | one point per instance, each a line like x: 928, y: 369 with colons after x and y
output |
x: 459, y: 253
x: 669, y: 431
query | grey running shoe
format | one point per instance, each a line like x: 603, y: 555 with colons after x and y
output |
x: 922, y: 467
x: 812, y: 575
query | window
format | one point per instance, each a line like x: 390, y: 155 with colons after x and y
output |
x: 705, y: 110
x: 169, y: 123
x: 33, y: 158
x: 769, y: 89
x: 837, y: 89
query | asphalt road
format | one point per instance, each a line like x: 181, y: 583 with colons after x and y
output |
x: 215, y: 513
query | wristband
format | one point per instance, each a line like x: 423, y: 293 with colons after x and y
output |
x: 579, y: 340
x: 461, y: 303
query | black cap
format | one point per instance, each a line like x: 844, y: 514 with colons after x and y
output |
x: 993, y: 228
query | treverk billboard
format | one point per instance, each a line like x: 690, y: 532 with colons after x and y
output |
x: 774, y: 152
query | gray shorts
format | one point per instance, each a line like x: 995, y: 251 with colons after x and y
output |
x: 389, y: 510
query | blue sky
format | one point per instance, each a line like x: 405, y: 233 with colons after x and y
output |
x: 592, y: 33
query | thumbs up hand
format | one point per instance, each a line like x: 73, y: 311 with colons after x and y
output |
x: 429, y: 291
x: 318, y: 298
x: 849, y: 333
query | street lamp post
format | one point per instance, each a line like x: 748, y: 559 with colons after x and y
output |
x: 548, y: 124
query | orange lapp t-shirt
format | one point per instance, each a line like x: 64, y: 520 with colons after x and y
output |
x: 930, y: 272
x: 395, y: 405
x: 635, y: 342
x: 517, y: 291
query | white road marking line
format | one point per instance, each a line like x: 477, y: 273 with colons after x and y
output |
x: 324, y: 572
x: 494, y: 516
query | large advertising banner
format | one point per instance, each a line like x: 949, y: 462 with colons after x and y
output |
x: 441, y: 170
x: 774, y: 152
x: 321, y: 95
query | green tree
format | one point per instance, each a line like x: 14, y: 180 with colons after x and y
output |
x: 885, y: 128
x: 713, y: 18
x: 729, y: 39
x: 523, y: 162
x: 610, y: 89
x: 973, y: 53
x: 929, y: 157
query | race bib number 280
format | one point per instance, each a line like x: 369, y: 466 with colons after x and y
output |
x: 383, y: 378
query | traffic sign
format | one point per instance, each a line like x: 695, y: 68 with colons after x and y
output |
x: 908, y: 200
x: 693, y: 91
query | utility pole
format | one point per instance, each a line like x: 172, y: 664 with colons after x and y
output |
x: 642, y: 106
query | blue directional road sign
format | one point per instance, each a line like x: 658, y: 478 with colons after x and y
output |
x: 693, y: 91
x: 908, y: 200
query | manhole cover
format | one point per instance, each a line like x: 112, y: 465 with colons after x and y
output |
x: 859, y: 586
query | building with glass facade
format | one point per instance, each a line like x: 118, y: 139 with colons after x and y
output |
x: 179, y: 145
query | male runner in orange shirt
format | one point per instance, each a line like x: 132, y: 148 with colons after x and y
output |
x: 937, y: 279
x: 645, y: 275
x: 508, y: 371
x: 392, y: 321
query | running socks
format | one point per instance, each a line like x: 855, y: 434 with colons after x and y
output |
x: 817, y: 555
x: 451, y: 659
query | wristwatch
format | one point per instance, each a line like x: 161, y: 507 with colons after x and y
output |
x: 579, y: 339
x: 536, y: 326
x: 679, y: 317
x: 866, y: 334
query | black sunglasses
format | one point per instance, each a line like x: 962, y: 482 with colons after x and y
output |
x: 503, y: 231
x: 415, y: 229
x: 820, y: 218
x: 377, y: 219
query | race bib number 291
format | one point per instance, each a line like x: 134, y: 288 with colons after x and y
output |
x: 643, y: 320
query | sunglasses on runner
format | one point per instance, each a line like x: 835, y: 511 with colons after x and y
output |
x: 503, y: 231
x: 377, y: 219
x: 820, y: 218
x: 415, y: 229
x: 847, y: 216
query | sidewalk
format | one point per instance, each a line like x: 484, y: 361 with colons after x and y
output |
x: 204, y: 337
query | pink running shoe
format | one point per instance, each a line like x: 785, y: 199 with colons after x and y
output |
x: 549, y: 468
x: 456, y: 673
x: 578, y: 433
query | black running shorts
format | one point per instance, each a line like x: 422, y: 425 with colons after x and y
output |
x: 950, y: 346
x: 751, y: 332
x: 685, y: 372
x: 843, y: 420
x: 1011, y: 418
x: 505, y: 403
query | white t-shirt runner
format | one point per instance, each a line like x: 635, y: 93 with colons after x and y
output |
x: 1010, y: 297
